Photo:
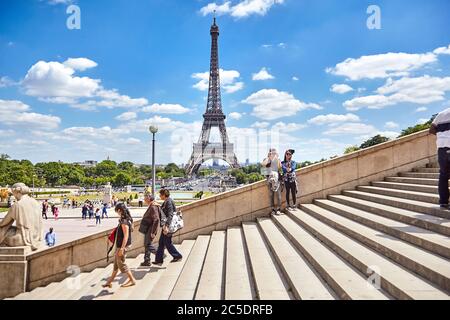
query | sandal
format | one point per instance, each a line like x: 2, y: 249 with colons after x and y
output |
x: 107, y: 285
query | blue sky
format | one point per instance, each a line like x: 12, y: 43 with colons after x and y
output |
x: 303, y: 74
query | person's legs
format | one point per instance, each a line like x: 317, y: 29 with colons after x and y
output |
x: 171, y: 248
x: 287, y: 187
x: 271, y: 196
x: 160, y: 252
x: 278, y: 192
x: 148, y: 250
x: 294, y: 194
x: 444, y: 169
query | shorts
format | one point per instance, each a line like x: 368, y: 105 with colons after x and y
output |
x: 119, y: 262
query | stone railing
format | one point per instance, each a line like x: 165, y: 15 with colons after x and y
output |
x: 244, y: 204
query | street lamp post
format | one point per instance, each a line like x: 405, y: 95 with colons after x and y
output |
x: 153, y: 130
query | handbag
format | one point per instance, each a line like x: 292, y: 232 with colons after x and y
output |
x: 177, y: 222
x: 112, y: 239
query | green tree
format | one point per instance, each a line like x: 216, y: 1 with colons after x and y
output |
x: 121, y: 179
x: 373, y: 141
x: 351, y: 149
x: 106, y: 168
x: 417, y: 127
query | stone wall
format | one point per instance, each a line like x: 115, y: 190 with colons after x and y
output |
x: 245, y: 204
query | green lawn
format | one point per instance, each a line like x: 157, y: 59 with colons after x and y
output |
x: 3, y: 209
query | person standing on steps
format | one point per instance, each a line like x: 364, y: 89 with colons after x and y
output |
x: 272, y: 166
x: 123, y: 243
x: 441, y: 128
x: 149, y: 227
x: 105, y: 210
x: 165, y: 240
x: 44, y: 209
x: 290, y: 178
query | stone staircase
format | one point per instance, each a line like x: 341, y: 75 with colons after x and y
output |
x: 390, y: 233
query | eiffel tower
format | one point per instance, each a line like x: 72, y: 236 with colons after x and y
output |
x: 204, y: 150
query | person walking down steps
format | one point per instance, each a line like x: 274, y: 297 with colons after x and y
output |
x: 122, y: 242
x: 149, y: 227
x: 165, y: 240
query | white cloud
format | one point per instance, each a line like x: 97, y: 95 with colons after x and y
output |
x: 228, y: 80
x: 391, y: 125
x: 294, y: 78
x: 235, y: 115
x: 260, y: 125
x: 242, y: 9
x: 420, y: 90
x: 422, y: 120
x: 6, y: 82
x: 126, y: 116
x: 381, y: 65
x: 166, y: 108
x: 53, y: 79
x: 55, y: 82
x: 263, y: 74
x: 288, y: 127
x: 421, y: 109
x: 16, y: 113
x: 272, y: 104
x: 341, y: 88
x: 350, y: 129
x: 80, y: 64
x: 334, y: 118
x: 442, y: 50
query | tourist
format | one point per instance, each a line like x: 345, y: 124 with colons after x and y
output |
x: 97, y: 216
x: 90, y: 210
x: 53, y: 209
x: 149, y: 227
x: 273, y: 165
x: 55, y: 212
x: 50, y: 238
x: 290, y: 178
x: 84, y: 211
x: 165, y: 239
x: 122, y: 242
x: 44, y: 209
x: 441, y: 128
x: 105, y: 210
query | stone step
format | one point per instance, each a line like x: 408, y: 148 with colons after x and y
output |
x: 268, y: 278
x: 433, y: 164
x: 421, y: 220
x: 75, y: 288
x: 151, y: 275
x: 164, y: 286
x: 109, y: 293
x: 406, y: 186
x: 430, y: 266
x: 211, y: 285
x: 422, y: 181
x: 91, y: 288
x: 428, y: 240
x: 304, y: 281
x: 410, y: 195
x: 238, y: 275
x: 427, y: 170
x: 37, y: 293
x: 412, y: 205
x: 66, y: 286
x: 346, y: 282
x: 419, y: 175
x: 187, y: 283
x: 393, y: 278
